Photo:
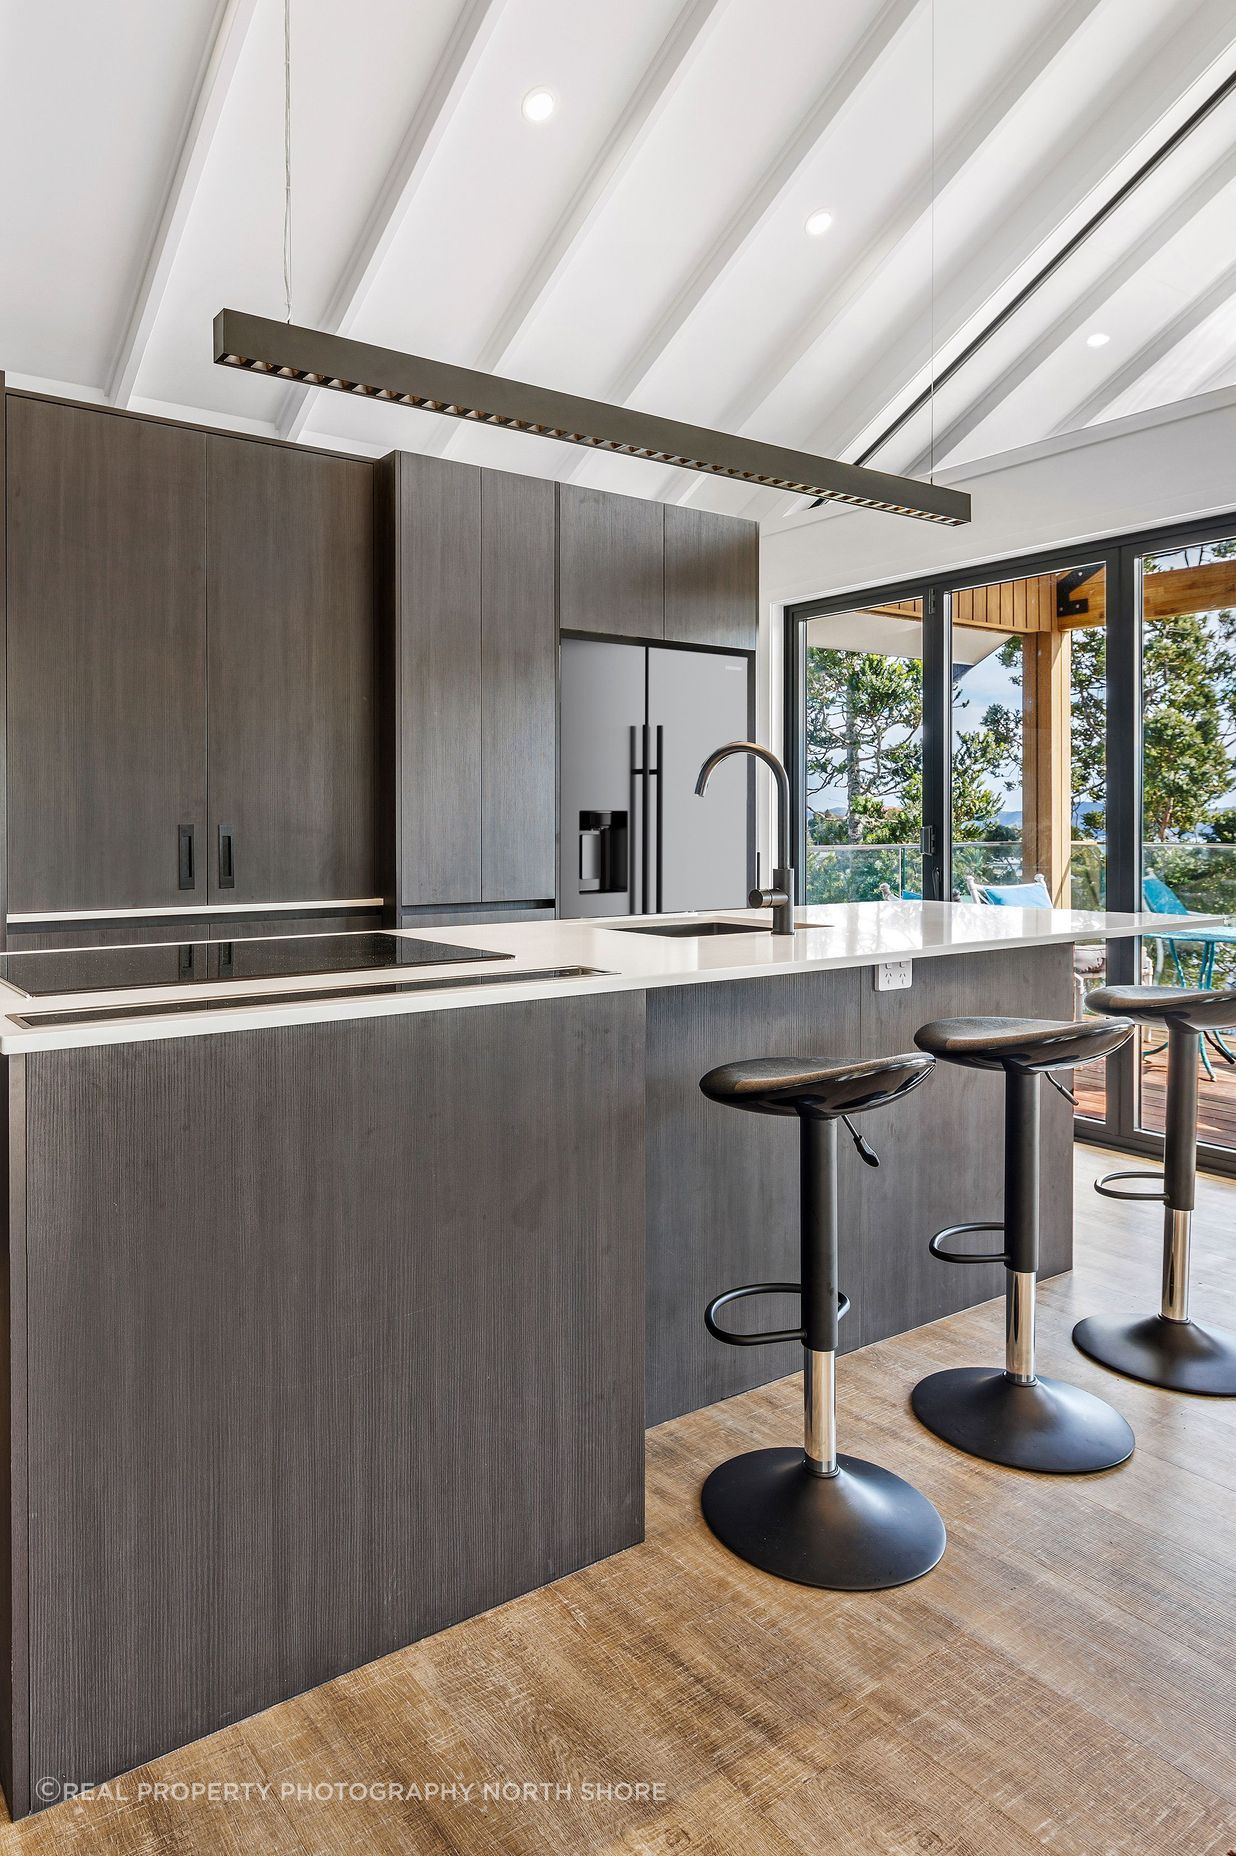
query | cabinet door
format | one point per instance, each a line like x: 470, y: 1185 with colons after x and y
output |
x: 106, y: 660
x: 518, y: 688
x: 291, y: 674
x: 438, y: 678
x: 712, y: 577
x: 612, y: 564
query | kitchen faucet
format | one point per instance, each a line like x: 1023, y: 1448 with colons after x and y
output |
x: 780, y: 898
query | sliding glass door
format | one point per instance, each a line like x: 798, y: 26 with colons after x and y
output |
x: 863, y: 753
x: 1186, y: 603
x: 1064, y: 726
x: 1029, y: 754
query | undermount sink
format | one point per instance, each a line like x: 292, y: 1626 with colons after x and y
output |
x: 681, y: 931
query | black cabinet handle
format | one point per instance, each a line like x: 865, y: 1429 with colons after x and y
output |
x: 227, y: 858
x: 185, y: 857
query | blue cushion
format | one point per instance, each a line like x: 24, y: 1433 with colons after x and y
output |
x: 1017, y: 895
x: 1160, y: 898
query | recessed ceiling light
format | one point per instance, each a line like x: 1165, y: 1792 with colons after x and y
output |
x: 539, y: 105
x: 817, y: 224
x: 1097, y: 340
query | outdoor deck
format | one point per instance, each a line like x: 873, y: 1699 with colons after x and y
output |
x: 1216, y: 1101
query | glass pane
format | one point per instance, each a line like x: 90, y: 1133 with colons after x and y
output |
x: 1188, y: 605
x: 1030, y: 755
x: 864, y: 749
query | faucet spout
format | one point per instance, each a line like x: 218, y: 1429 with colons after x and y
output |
x: 780, y: 898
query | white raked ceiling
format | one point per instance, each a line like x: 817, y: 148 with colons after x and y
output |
x: 647, y: 244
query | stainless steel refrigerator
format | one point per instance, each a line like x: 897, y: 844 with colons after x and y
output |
x: 638, y: 721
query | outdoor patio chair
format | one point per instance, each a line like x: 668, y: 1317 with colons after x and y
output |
x: 1163, y: 900
x: 1088, y: 962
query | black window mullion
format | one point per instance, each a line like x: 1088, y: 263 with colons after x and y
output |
x: 1123, y: 812
x: 937, y: 745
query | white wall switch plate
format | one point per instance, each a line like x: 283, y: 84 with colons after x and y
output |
x: 894, y: 975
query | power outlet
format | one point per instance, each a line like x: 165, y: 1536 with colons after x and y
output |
x: 894, y: 975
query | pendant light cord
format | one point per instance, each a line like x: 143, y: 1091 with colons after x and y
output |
x: 287, y: 159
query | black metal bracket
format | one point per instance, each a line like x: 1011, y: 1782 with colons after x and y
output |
x: 769, y: 1334
x: 1143, y: 1198
x: 935, y: 1246
x: 1067, y: 585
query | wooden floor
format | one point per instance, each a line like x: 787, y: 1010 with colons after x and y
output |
x: 1065, y: 1680
x: 1216, y: 1097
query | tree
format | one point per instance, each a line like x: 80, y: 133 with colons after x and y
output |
x: 1188, y: 716
x: 864, y: 716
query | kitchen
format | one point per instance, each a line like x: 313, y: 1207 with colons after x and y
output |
x: 210, y: 1220
x: 405, y: 863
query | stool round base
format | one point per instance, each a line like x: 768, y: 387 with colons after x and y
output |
x: 1049, y: 1426
x: 862, y: 1530
x: 1180, y: 1356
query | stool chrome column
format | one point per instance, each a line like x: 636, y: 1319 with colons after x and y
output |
x: 813, y: 1515
x: 1013, y: 1416
x: 1169, y: 1349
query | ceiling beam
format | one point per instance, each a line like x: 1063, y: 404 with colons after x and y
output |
x: 899, y: 228
x: 1222, y: 376
x: 1149, y: 355
x: 428, y: 125
x: 643, y: 109
x: 233, y: 19
x: 1083, y: 309
x: 998, y: 261
x: 758, y: 205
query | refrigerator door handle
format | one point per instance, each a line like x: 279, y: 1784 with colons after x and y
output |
x: 660, y: 809
x: 638, y: 832
x: 645, y: 849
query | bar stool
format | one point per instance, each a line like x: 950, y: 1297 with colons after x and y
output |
x: 1168, y: 1349
x: 1012, y: 1416
x: 811, y: 1515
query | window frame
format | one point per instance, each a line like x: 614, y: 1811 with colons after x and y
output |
x: 1119, y: 556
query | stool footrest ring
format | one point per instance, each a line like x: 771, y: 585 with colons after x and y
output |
x: 769, y: 1334
x: 1145, y: 1198
x: 936, y: 1246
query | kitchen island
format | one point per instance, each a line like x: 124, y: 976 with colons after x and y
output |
x: 337, y: 1305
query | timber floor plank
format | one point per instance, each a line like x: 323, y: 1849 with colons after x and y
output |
x: 1064, y: 1681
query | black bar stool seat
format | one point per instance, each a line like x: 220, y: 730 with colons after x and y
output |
x: 1169, y: 1349
x: 813, y: 1085
x: 1035, y: 1045
x: 1013, y: 1416
x: 1165, y: 1006
x: 809, y: 1514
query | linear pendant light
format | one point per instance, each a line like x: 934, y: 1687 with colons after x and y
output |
x: 264, y: 346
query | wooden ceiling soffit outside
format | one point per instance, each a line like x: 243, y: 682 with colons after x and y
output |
x: 1061, y: 602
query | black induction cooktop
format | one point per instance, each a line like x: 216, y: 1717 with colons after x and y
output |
x: 196, y: 963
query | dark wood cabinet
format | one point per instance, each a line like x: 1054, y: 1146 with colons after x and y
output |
x: 242, y: 672
x: 712, y: 579
x: 437, y: 681
x: 474, y: 672
x: 292, y: 666
x: 329, y: 1335
x: 519, y: 676
x: 106, y: 660
x: 612, y: 566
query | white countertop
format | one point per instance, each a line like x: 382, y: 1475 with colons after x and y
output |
x: 832, y: 936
